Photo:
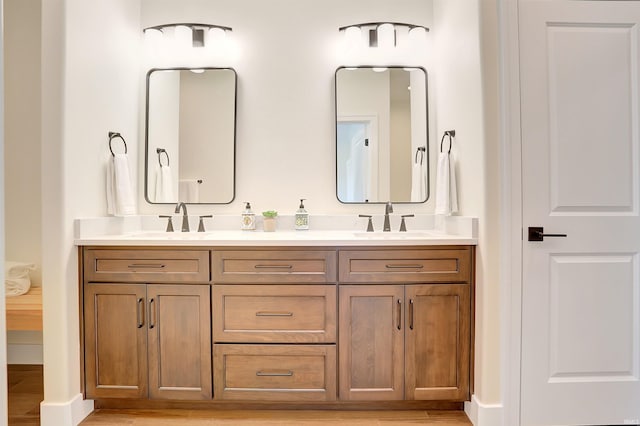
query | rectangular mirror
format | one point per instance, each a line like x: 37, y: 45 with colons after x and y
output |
x: 382, y: 135
x: 190, y: 136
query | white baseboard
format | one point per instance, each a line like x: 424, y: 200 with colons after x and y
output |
x: 20, y: 353
x: 69, y: 413
x: 483, y: 414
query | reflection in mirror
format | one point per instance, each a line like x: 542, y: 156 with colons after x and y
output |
x: 382, y: 135
x: 190, y: 136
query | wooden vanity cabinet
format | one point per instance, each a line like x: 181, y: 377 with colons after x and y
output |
x: 405, y: 341
x: 274, y: 324
x: 145, y: 340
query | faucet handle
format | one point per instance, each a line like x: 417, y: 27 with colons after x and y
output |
x: 370, y: 223
x: 169, y: 222
x: 201, y: 223
x: 403, y: 226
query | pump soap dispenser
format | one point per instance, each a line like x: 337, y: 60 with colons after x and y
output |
x: 248, y: 219
x: 302, y: 217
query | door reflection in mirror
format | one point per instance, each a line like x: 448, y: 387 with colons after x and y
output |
x: 191, y: 116
x: 389, y: 106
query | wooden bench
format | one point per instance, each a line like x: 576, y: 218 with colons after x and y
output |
x: 25, y: 312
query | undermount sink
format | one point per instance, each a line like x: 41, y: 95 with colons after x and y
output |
x: 395, y: 235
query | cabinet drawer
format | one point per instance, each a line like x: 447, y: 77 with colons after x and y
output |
x: 275, y: 372
x: 405, y: 266
x: 147, y: 266
x: 273, y: 266
x: 274, y: 314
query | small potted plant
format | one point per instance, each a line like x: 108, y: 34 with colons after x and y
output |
x: 269, y: 220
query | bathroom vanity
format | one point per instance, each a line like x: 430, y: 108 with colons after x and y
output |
x: 284, y: 322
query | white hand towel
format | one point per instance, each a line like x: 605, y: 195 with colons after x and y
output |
x: 189, y: 190
x: 418, y: 182
x: 120, y: 200
x: 17, y: 280
x: 446, y: 191
x: 164, y: 185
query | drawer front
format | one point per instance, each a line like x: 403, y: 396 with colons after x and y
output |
x: 274, y: 314
x: 405, y: 266
x: 149, y: 266
x: 275, y: 372
x: 273, y: 266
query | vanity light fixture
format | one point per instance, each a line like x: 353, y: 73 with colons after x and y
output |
x: 188, y: 34
x: 381, y: 34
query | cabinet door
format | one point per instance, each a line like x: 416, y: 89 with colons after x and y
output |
x: 115, y: 341
x: 371, y: 342
x: 179, y: 341
x: 437, y: 342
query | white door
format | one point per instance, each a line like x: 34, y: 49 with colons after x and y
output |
x: 580, y: 169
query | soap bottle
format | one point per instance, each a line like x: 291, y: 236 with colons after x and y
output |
x: 302, y: 217
x: 248, y: 219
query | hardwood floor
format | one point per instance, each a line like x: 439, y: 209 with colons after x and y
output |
x: 106, y: 417
x: 26, y: 392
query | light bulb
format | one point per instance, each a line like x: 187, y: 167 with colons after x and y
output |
x: 352, y: 37
x: 183, y: 36
x: 417, y: 37
x: 217, y: 37
x: 386, y: 36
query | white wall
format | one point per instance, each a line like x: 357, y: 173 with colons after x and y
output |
x: 22, y: 164
x: 460, y: 103
x: 90, y: 69
x: 287, y: 53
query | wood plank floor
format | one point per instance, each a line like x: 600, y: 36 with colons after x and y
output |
x: 26, y: 392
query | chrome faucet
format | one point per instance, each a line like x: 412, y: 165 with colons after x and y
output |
x: 387, y: 209
x: 185, y: 217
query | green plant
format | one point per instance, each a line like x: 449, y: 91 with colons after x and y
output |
x: 270, y: 213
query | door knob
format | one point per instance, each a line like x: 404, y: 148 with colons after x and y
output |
x: 536, y: 233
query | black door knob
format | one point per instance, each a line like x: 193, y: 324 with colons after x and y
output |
x: 536, y: 233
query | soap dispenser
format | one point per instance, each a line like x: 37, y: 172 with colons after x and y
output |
x: 248, y: 218
x: 302, y: 217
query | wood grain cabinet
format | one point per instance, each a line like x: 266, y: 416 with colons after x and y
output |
x: 405, y: 341
x: 147, y: 340
x: 274, y: 324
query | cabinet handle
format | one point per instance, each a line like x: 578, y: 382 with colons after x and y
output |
x: 274, y: 314
x: 399, y: 304
x: 274, y: 373
x: 411, y: 314
x: 273, y: 266
x: 152, y: 313
x: 146, y: 266
x: 409, y: 266
x: 140, y: 312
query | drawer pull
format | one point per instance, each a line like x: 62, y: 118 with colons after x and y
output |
x: 274, y: 314
x: 396, y: 266
x: 411, y: 314
x: 274, y: 373
x: 273, y: 266
x: 152, y: 313
x: 140, y: 312
x: 147, y: 266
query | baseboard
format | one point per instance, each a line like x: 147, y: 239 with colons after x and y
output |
x: 483, y: 414
x: 20, y: 353
x: 69, y: 413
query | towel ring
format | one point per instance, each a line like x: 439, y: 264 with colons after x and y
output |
x: 160, y: 151
x: 112, y: 136
x: 450, y: 133
x: 419, y: 153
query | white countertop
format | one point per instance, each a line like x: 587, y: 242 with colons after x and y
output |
x: 147, y: 231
